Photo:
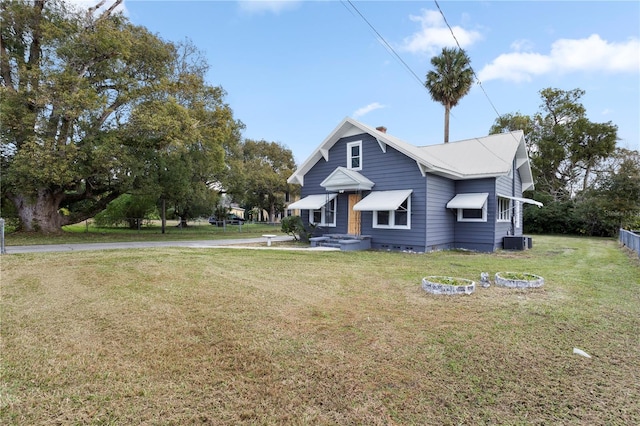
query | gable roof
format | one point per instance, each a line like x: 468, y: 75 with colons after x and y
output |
x: 346, y: 180
x: 489, y: 156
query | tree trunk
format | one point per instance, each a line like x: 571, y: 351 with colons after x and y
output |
x: 447, y: 110
x: 272, y: 213
x: 585, y: 181
x: 164, y: 215
x: 40, y: 213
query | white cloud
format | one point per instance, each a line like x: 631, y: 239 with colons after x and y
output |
x: 262, y: 6
x: 367, y: 109
x: 516, y: 67
x: 592, y: 54
x: 434, y: 34
x: 522, y: 45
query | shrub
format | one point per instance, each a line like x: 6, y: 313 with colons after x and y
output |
x: 293, y: 225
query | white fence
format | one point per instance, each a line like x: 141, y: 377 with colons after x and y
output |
x: 631, y: 240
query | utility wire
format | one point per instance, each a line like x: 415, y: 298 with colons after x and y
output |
x: 384, y: 42
x: 472, y: 70
x: 475, y: 75
x: 393, y: 52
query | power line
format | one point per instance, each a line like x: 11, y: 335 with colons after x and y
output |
x: 384, y: 42
x: 393, y: 52
x: 475, y: 75
x: 472, y: 70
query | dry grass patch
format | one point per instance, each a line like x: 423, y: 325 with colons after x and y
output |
x: 185, y: 336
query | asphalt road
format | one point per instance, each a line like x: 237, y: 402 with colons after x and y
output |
x: 147, y: 244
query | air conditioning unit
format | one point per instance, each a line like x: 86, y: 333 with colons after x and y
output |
x: 515, y: 243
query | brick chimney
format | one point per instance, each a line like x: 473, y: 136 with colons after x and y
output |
x: 381, y: 129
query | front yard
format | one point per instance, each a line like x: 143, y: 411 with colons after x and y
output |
x: 221, y: 336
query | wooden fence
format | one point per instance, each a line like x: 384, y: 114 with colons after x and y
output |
x: 631, y: 240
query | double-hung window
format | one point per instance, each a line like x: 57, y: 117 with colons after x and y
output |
x: 325, y: 215
x: 354, y: 155
x: 504, y: 209
x: 397, y: 219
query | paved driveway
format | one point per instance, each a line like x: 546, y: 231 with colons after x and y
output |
x: 147, y: 244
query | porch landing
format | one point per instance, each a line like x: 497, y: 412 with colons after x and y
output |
x: 345, y: 242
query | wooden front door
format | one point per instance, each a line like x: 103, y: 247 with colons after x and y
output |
x: 354, y: 216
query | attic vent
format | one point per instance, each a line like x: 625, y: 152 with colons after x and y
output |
x: 381, y: 129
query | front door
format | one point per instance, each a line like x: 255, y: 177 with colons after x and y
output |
x: 354, y: 216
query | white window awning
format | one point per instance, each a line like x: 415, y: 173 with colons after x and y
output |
x: 523, y: 200
x: 383, y: 200
x: 312, y: 202
x: 474, y: 200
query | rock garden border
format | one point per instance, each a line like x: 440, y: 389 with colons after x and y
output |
x: 518, y: 280
x: 435, y: 284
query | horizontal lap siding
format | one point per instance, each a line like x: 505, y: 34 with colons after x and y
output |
x: 505, y: 185
x: 477, y: 235
x: 389, y: 171
x: 440, y: 220
x: 319, y: 173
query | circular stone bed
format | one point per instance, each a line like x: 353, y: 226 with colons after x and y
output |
x: 518, y: 280
x: 447, y: 285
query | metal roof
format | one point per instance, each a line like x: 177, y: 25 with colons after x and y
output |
x: 488, y: 156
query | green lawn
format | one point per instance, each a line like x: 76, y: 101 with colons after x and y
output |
x: 231, y: 336
x: 88, y: 233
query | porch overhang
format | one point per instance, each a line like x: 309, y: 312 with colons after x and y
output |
x: 343, y: 179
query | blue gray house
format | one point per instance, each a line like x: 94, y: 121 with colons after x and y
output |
x: 364, y: 184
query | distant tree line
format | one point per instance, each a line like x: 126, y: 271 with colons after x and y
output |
x: 589, y: 185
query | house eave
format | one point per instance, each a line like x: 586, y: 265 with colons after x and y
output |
x: 426, y: 161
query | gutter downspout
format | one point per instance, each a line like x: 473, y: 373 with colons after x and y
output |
x: 513, y: 194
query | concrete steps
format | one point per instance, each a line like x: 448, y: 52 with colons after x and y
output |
x: 344, y: 242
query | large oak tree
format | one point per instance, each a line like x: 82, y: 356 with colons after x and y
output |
x: 565, y: 147
x: 266, y: 167
x: 93, y: 106
x: 586, y: 183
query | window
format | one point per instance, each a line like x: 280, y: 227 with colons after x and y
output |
x: 504, y: 209
x: 325, y: 215
x: 472, y: 207
x: 473, y: 215
x: 354, y: 155
x: 397, y: 219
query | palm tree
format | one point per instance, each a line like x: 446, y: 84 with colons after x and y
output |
x: 449, y: 81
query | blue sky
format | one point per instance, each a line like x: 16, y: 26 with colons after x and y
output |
x: 294, y: 69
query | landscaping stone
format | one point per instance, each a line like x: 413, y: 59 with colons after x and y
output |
x: 431, y: 285
x: 502, y: 279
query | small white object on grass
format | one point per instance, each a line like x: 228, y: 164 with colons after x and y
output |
x: 269, y: 237
x: 581, y: 352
